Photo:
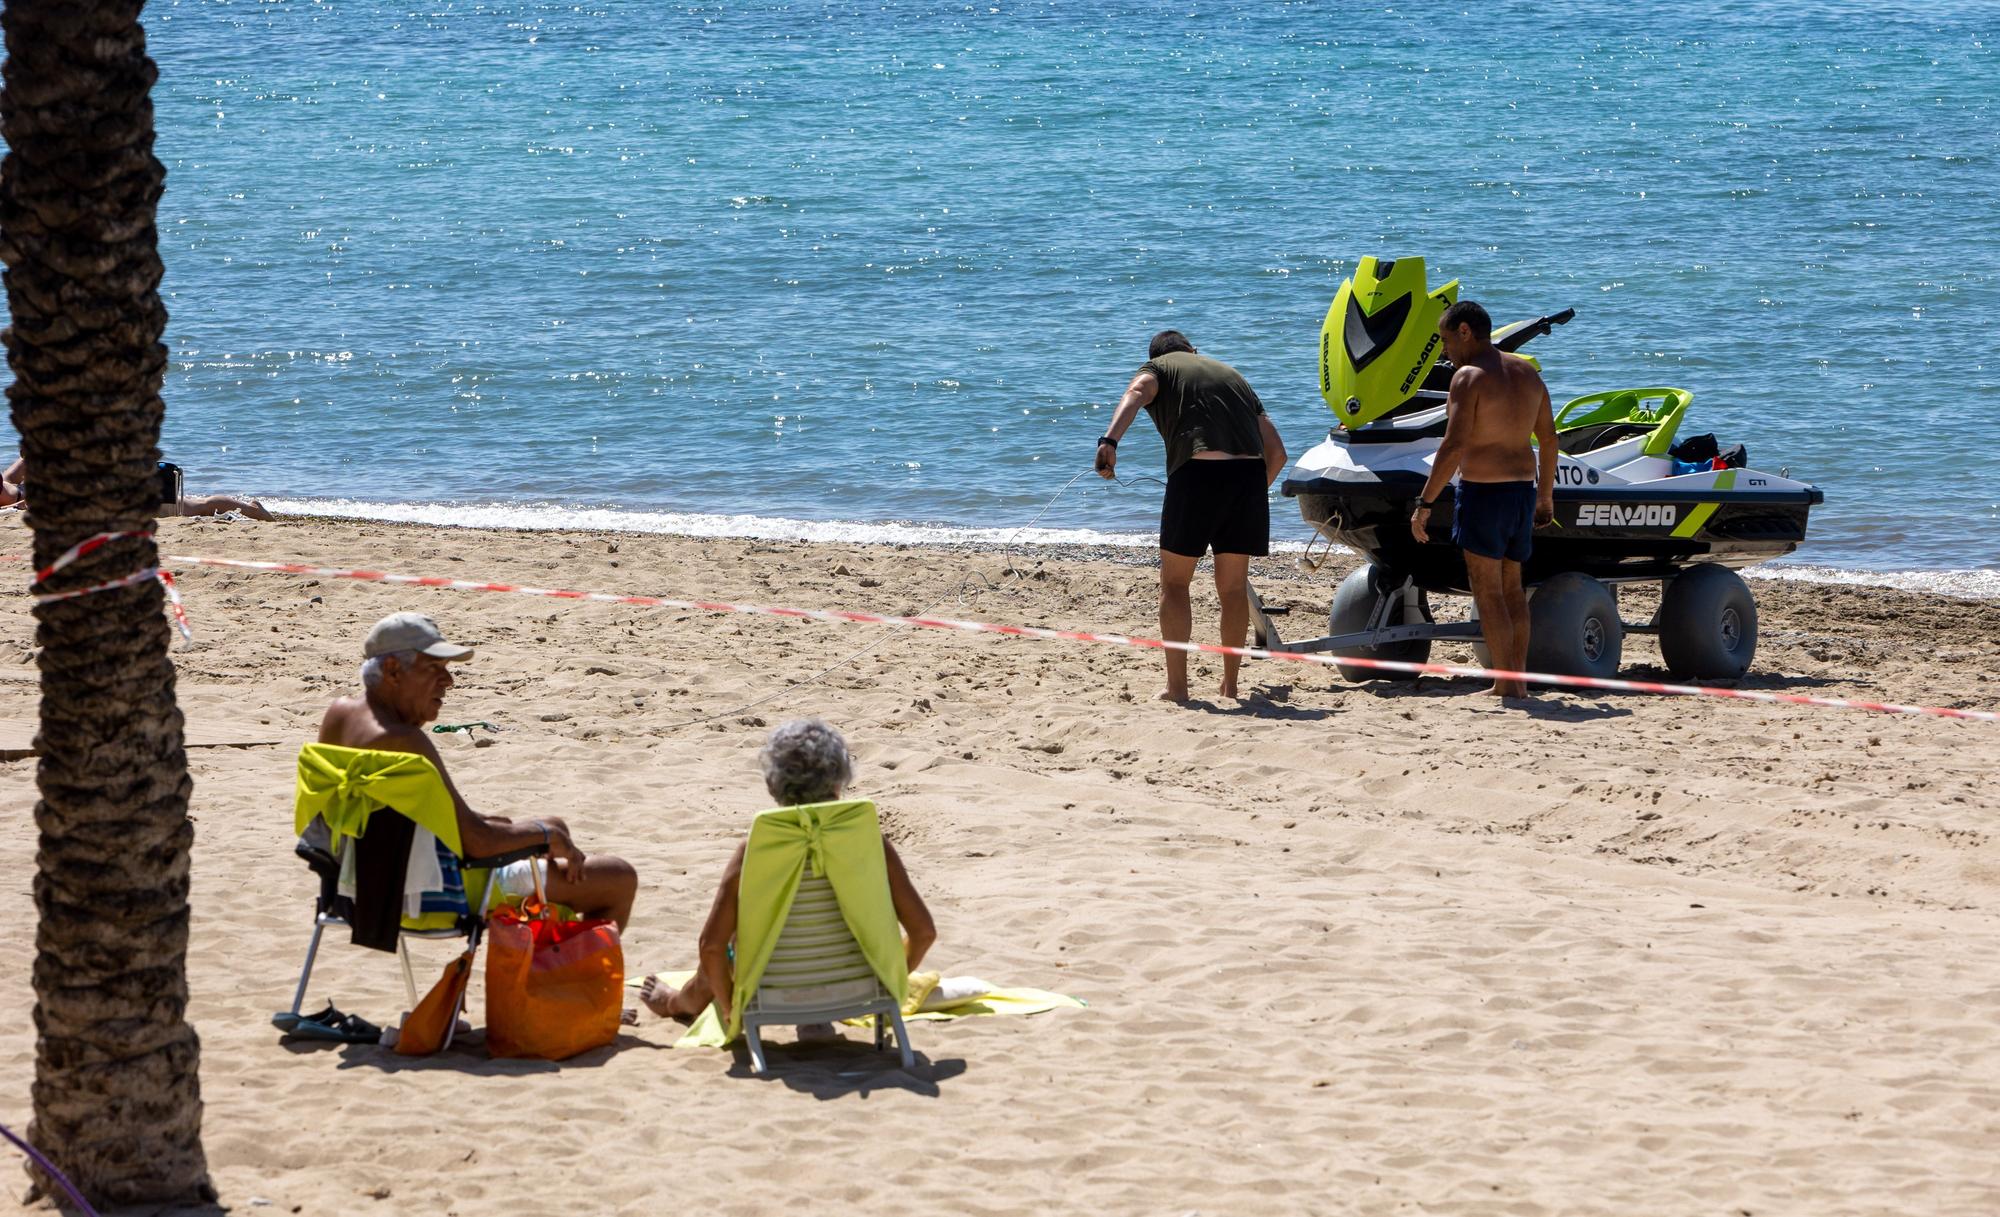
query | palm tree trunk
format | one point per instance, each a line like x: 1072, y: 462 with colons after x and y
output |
x: 117, y: 1104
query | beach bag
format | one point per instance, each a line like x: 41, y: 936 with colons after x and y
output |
x: 169, y: 482
x: 553, y: 988
x: 425, y: 1027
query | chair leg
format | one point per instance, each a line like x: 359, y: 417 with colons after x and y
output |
x: 756, y: 1046
x: 305, y: 973
x: 472, y: 936
x: 903, y: 1040
x: 880, y: 1025
x: 409, y: 977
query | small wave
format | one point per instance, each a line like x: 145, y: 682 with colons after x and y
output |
x: 555, y: 517
x: 1970, y: 584
x: 541, y: 517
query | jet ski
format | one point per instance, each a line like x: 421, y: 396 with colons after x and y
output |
x: 1634, y: 500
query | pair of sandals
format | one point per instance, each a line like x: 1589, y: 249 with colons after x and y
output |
x: 330, y: 1025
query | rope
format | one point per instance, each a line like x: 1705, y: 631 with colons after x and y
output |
x: 49, y: 1169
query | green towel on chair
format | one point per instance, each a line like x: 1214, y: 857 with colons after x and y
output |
x: 344, y: 786
x: 843, y: 842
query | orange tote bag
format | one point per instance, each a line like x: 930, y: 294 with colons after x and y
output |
x: 553, y: 988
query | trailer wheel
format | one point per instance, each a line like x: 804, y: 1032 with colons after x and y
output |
x: 1354, y: 606
x: 1573, y: 627
x: 1708, y: 624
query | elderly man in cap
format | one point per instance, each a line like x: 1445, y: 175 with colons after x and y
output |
x: 404, y: 676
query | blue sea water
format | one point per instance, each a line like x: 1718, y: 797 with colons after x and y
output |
x: 882, y: 269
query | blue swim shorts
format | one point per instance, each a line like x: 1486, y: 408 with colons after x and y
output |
x: 1495, y: 519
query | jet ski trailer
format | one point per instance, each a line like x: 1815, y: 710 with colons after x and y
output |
x: 1633, y: 504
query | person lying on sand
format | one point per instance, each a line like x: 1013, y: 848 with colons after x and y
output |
x: 804, y: 761
x: 405, y: 674
x: 14, y: 492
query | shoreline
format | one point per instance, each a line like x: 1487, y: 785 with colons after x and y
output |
x: 1968, y: 583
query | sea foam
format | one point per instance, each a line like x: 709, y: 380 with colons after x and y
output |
x: 551, y: 517
x: 539, y: 517
x: 1970, y: 584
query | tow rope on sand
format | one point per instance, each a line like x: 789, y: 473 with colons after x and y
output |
x: 844, y: 616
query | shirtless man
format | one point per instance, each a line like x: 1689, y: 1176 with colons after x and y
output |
x: 1222, y: 456
x: 1504, y: 490
x: 404, y: 677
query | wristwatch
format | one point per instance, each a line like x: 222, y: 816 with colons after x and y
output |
x: 1105, y: 439
x: 1426, y: 506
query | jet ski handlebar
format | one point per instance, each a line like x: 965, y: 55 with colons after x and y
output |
x: 1517, y: 338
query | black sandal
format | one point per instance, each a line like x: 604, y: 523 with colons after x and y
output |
x: 329, y: 1025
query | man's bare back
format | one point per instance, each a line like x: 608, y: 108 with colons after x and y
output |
x: 1502, y: 397
x: 352, y: 723
x: 1506, y: 485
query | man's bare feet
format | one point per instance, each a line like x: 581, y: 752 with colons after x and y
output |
x: 1176, y: 696
x: 658, y: 997
x: 1229, y: 691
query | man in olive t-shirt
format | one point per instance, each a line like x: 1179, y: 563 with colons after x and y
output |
x: 1222, y: 456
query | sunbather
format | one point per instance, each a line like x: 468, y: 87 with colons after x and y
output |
x: 404, y: 677
x: 14, y: 491
x: 804, y: 762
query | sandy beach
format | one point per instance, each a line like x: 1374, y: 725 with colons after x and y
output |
x: 1347, y: 948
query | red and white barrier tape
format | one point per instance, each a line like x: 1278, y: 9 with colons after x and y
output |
x: 1037, y: 632
x: 1024, y: 631
x: 90, y: 544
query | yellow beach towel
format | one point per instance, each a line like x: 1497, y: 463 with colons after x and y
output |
x: 842, y: 842
x: 344, y: 786
x: 931, y: 997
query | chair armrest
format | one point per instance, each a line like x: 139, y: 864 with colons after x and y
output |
x: 495, y: 861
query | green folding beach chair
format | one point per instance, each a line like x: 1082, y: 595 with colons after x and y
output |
x: 816, y: 934
x: 340, y: 792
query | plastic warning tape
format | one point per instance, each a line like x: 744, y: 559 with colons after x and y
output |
x: 89, y: 545
x: 944, y: 623
x: 1123, y: 640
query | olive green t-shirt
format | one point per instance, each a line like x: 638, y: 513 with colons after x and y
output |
x: 1203, y: 405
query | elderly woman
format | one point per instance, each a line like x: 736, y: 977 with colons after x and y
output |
x: 804, y: 761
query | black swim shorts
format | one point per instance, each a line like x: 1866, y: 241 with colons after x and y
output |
x: 1495, y: 519
x: 1219, y: 505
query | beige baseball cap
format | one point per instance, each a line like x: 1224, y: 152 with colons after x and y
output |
x: 411, y: 632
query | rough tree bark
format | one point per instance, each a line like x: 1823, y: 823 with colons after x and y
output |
x: 117, y: 1104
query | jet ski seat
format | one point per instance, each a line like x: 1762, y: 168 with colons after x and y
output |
x: 1601, y: 419
x: 1599, y: 435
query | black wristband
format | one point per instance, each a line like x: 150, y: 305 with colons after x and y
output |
x: 1105, y: 439
x: 1423, y: 506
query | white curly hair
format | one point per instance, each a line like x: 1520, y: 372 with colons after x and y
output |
x: 805, y: 761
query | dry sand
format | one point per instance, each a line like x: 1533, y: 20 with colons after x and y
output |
x: 1348, y: 948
